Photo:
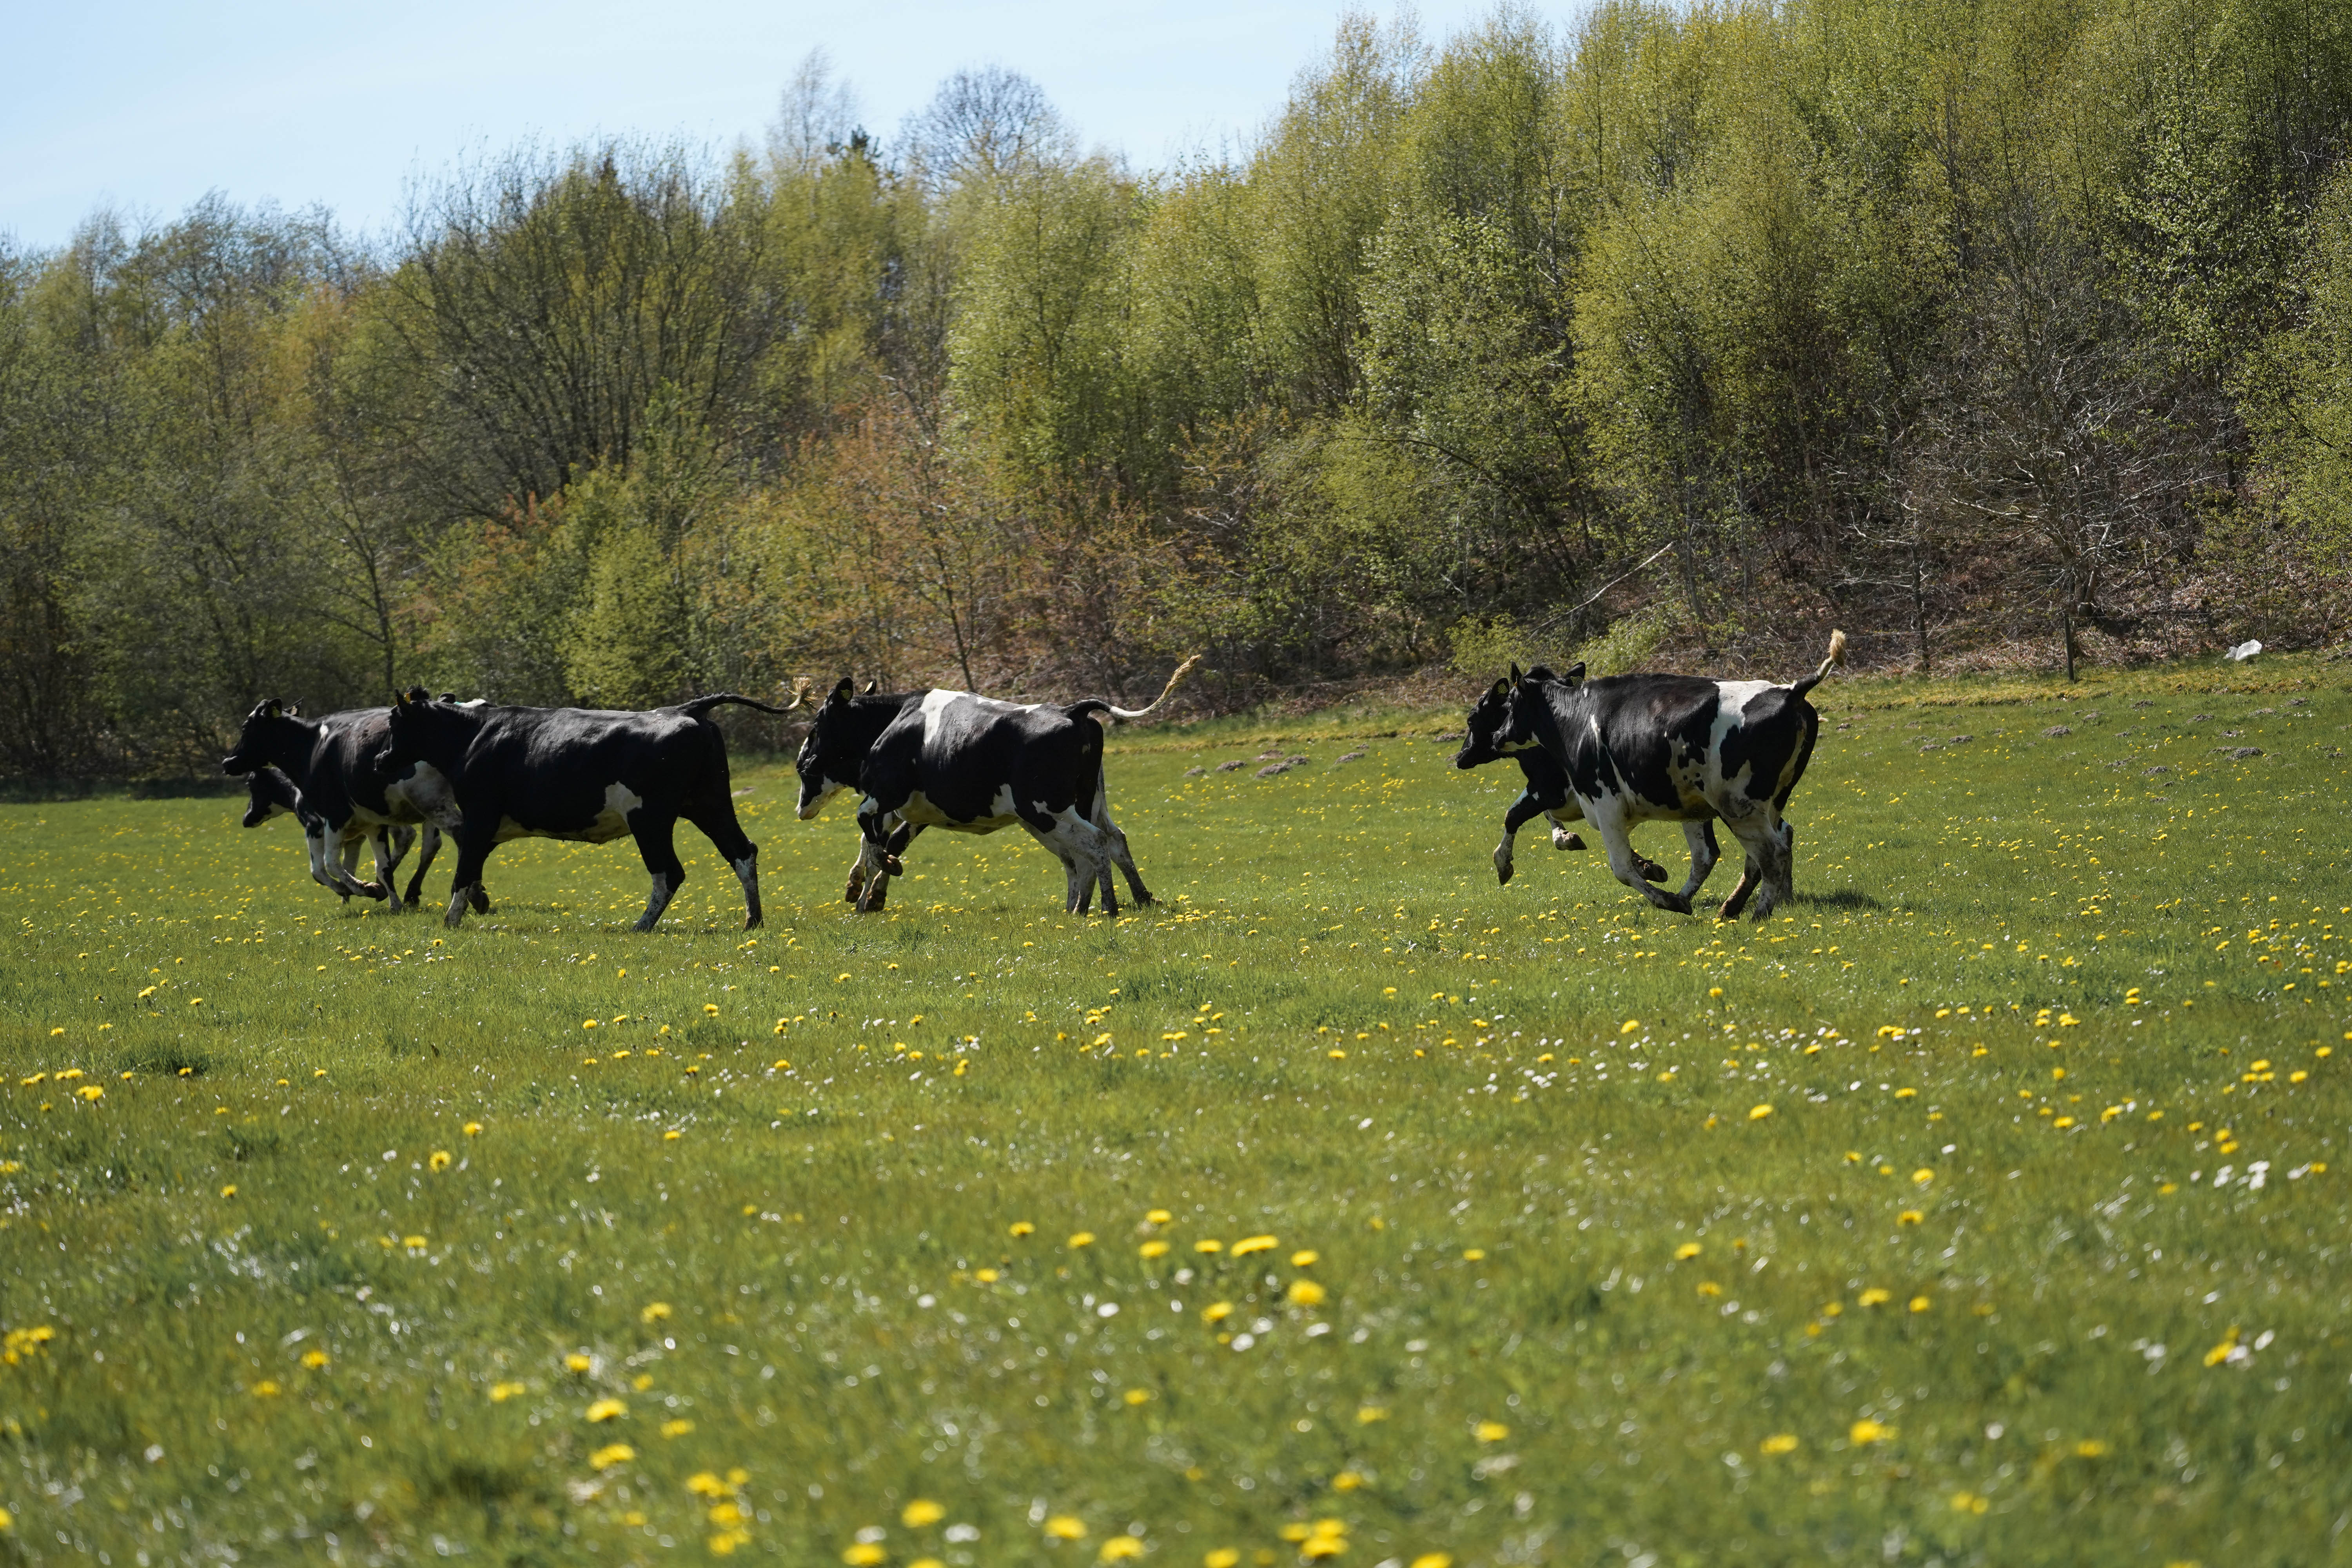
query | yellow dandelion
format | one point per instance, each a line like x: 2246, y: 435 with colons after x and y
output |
x: 502, y: 1392
x: 1222, y: 1557
x: 1153, y: 1250
x: 1305, y: 1258
x: 702, y: 1483
x: 1021, y: 1228
x: 1251, y: 1244
x: 265, y: 1389
x: 1875, y: 1297
x: 1217, y: 1312
x: 1779, y: 1443
x: 1081, y: 1238
x: 1909, y: 1216
x: 1490, y: 1431
x: 612, y: 1454
x: 864, y: 1553
x: 1866, y: 1431
x: 1758, y: 1112
x: 438, y: 1160
x: 920, y: 1512
x: 1686, y: 1251
x: 314, y: 1359
x: 1208, y: 1245
x: 1065, y: 1527
x: 473, y: 1130
x: 1920, y: 1303
x: 1306, y: 1293
x: 1368, y: 1414
x: 1158, y: 1216
x: 677, y: 1428
x: 1629, y: 1026
x: 576, y: 1362
x: 655, y: 1313
x: 2090, y: 1448
x: 1434, y: 1560
x: 1137, y: 1396
x: 1346, y: 1481
x: 1119, y: 1547
x: 607, y: 1410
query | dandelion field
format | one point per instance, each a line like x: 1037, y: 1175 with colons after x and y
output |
x: 1986, y: 1206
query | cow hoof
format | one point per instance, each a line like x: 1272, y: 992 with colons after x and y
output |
x: 1503, y: 869
x: 643, y: 923
x: 1562, y: 839
x: 1652, y: 871
x: 1676, y: 902
x: 894, y: 866
x: 481, y: 902
x: 376, y: 890
x: 750, y: 922
x: 1144, y: 901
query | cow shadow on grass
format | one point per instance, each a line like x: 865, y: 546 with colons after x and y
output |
x: 1839, y: 898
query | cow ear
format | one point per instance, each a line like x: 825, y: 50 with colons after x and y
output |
x: 1516, y: 676
x: 272, y: 709
x: 1502, y: 687
x: 1575, y: 675
x: 872, y: 686
x: 844, y: 692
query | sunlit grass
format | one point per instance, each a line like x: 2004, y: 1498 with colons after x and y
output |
x: 1345, y: 1201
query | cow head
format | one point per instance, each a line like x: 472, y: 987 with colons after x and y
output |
x: 1527, y: 694
x: 1479, y: 746
x: 269, y: 793
x: 829, y: 758
x: 271, y: 730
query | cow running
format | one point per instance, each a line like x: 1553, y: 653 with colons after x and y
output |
x: 1678, y: 748
x: 972, y: 764
x: 1546, y: 794
x: 582, y: 775
x: 344, y: 783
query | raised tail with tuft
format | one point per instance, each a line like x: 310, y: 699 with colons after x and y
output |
x: 1836, y: 657
x: 701, y: 706
x: 1096, y: 705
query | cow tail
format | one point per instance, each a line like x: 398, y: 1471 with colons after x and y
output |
x: 1096, y: 705
x: 1836, y: 657
x: 701, y: 706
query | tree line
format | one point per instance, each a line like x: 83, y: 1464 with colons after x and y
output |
x: 1986, y: 328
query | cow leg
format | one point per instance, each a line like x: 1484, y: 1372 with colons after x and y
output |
x: 1115, y: 845
x: 1766, y: 875
x: 388, y: 851
x: 337, y: 866
x: 718, y: 825
x: 473, y: 846
x: 1608, y: 817
x: 1704, y: 852
x: 1528, y: 807
x: 429, y: 844
x: 653, y: 831
x: 322, y: 864
x: 1080, y: 846
x: 1561, y: 839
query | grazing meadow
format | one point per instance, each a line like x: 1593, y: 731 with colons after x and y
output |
x: 1986, y: 1206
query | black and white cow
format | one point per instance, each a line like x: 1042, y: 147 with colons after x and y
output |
x: 346, y: 785
x: 1546, y: 794
x: 270, y: 794
x: 972, y: 764
x: 585, y: 775
x: 1678, y: 748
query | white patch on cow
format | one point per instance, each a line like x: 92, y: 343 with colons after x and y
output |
x: 921, y: 811
x: 424, y: 795
x: 613, y: 820
x: 457, y: 910
x: 1731, y: 700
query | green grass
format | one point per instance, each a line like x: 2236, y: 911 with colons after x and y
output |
x: 1495, y: 1116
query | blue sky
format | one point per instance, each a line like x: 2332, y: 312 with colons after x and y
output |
x: 146, y: 107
